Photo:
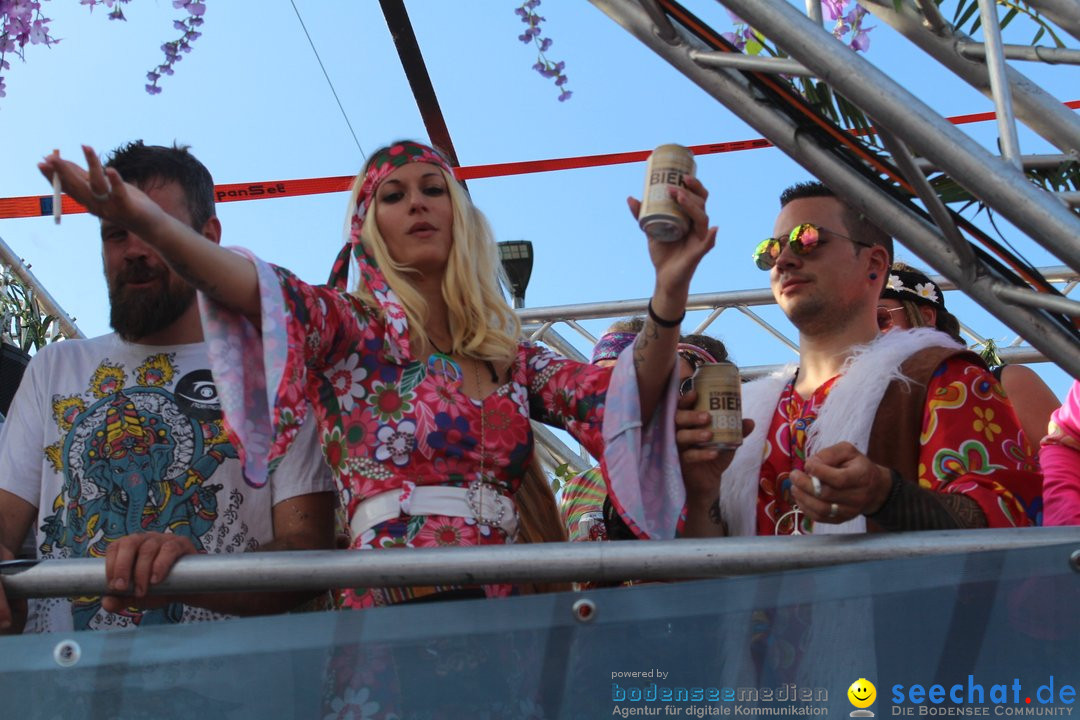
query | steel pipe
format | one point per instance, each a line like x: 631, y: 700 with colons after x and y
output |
x: 999, y: 84
x: 1029, y: 53
x: 1035, y: 107
x: 780, y: 66
x: 1063, y: 13
x: 930, y: 199
x: 1035, y: 299
x: 544, y: 562
x: 1033, y: 211
x: 1030, y: 162
x: 662, y: 25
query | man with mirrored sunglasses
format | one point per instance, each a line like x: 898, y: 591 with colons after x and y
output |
x: 870, y: 432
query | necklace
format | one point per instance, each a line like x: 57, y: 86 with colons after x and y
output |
x: 490, y: 366
x: 483, y: 421
x: 437, y: 348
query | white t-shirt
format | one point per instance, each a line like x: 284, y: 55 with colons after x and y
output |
x: 107, y: 439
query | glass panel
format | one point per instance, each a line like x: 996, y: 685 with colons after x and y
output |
x: 989, y: 630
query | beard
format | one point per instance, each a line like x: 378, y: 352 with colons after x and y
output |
x: 135, y: 313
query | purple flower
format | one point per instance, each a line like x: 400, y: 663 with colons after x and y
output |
x: 545, y: 44
x: 39, y: 33
x: 197, y: 9
x: 565, y: 96
x: 153, y: 89
x: 861, y: 41
x: 833, y: 8
x: 736, y: 40
x: 560, y: 81
x: 532, y: 4
x: 179, y: 25
x: 518, y: 11
x: 152, y: 76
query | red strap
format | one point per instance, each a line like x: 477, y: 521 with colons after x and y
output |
x: 41, y: 205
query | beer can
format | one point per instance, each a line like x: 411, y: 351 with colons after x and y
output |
x: 719, y: 393
x: 661, y: 217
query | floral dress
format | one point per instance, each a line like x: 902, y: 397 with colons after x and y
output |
x: 391, y: 422
x: 971, y: 444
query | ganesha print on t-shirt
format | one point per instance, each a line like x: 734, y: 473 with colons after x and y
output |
x: 136, y: 456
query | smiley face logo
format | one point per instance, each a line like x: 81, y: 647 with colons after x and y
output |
x: 862, y: 693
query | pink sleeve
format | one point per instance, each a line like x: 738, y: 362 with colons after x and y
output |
x: 641, y: 461
x: 262, y: 372
x: 1060, y: 460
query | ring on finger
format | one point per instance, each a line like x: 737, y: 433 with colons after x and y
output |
x: 102, y: 196
x: 834, y: 510
x: 817, y: 486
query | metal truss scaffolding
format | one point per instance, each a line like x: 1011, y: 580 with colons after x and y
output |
x: 892, y: 189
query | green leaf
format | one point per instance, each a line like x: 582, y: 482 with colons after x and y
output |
x: 753, y: 47
x: 412, y: 376
x: 971, y: 10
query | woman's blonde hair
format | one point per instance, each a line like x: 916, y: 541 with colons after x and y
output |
x: 482, y: 324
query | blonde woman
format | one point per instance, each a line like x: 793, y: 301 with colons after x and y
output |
x: 421, y: 389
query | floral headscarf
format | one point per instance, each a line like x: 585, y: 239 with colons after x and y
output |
x: 382, y: 165
x: 910, y: 284
x: 611, y: 344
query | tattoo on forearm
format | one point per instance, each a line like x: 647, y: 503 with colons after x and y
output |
x: 910, y: 507
x: 714, y: 514
x: 649, y: 333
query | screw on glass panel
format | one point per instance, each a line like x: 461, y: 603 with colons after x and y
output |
x: 584, y: 610
x: 67, y: 653
x: 1074, y: 560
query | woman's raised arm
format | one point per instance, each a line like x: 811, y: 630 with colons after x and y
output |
x: 675, y: 262
x: 224, y: 276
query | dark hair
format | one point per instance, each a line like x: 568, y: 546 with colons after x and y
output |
x: 145, y: 165
x: 707, y: 343
x: 857, y: 224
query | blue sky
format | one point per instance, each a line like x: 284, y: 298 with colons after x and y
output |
x: 254, y: 105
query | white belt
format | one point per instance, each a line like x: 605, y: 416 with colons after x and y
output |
x: 481, y: 501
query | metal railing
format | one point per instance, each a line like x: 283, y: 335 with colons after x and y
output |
x: 549, y: 562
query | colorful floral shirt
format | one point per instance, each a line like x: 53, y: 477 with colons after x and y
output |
x: 389, y: 422
x: 971, y: 443
x: 1060, y: 458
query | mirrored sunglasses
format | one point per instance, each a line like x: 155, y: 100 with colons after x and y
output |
x: 802, y: 240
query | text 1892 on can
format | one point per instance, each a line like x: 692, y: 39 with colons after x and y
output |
x: 719, y: 392
x: 661, y: 217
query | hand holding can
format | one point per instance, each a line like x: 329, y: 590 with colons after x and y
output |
x: 660, y: 215
x: 719, y: 393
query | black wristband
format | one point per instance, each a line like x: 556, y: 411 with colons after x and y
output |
x: 894, y: 491
x: 661, y: 321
